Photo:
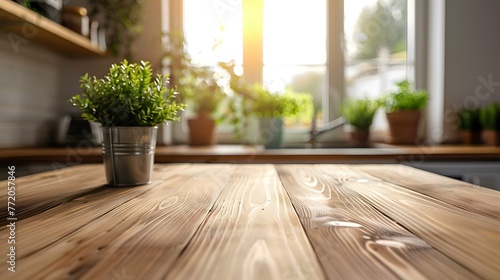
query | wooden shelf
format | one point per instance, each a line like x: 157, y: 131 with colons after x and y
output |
x: 35, y: 27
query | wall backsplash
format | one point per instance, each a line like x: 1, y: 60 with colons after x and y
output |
x: 29, y: 90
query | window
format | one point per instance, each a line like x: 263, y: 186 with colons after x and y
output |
x: 305, y: 45
x: 375, y: 48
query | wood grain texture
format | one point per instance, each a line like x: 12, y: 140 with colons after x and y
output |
x: 468, y: 238
x: 251, y: 233
x: 139, y: 232
x: 228, y: 221
x: 473, y: 198
x: 42, y: 191
x: 351, y: 238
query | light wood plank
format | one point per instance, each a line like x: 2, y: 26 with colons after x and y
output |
x: 51, y: 225
x: 351, y: 238
x: 473, y: 198
x: 138, y: 233
x: 251, y: 233
x: 42, y: 191
x: 468, y: 238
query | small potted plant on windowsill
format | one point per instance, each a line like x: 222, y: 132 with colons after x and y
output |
x: 490, y: 122
x: 470, y: 126
x: 271, y: 109
x: 129, y: 103
x: 359, y: 115
x: 403, y: 112
x: 198, y: 87
x: 204, y: 97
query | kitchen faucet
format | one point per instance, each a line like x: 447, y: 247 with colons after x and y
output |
x: 314, y: 133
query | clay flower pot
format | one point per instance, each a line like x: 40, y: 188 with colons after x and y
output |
x: 403, y: 127
x: 359, y: 138
x: 201, y: 130
x: 491, y: 137
x: 470, y: 137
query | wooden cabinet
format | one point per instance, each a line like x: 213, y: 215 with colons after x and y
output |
x: 23, y: 26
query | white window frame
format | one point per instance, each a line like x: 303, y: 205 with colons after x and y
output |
x: 253, y: 67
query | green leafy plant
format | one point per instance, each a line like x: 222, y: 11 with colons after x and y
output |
x: 469, y: 119
x: 405, y: 98
x: 489, y: 117
x: 254, y: 100
x: 359, y: 113
x: 198, y: 85
x: 268, y: 105
x: 201, y: 92
x: 128, y: 95
x: 240, y: 98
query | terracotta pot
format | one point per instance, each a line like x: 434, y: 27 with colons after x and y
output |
x: 359, y: 138
x: 201, y: 131
x: 491, y: 137
x: 403, y: 127
x: 471, y: 137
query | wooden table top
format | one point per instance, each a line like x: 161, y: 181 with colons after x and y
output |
x: 252, y: 221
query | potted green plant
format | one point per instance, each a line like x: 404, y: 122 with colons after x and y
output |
x: 204, y: 96
x: 198, y: 88
x: 403, y: 111
x: 129, y: 103
x: 271, y: 109
x: 489, y: 117
x: 359, y: 115
x: 470, y: 126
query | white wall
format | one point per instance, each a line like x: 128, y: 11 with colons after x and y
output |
x: 463, y: 61
x: 472, y: 57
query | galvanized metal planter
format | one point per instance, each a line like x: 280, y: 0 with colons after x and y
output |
x: 128, y: 154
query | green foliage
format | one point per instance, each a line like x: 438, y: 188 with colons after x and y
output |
x: 240, y: 105
x: 127, y: 96
x: 489, y: 116
x: 254, y: 100
x: 201, y: 91
x: 381, y: 25
x: 268, y: 105
x: 405, y: 98
x: 198, y: 85
x: 469, y: 119
x: 306, y: 109
x: 359, y: 113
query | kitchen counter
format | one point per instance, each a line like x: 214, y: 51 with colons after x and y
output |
x: 251, y: 221
x: 256, y: 154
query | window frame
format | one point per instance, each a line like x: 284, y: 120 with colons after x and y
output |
x: 335, y: 62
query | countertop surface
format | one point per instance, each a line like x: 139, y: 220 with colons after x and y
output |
x: 251, y: 221
x: 256, y: 154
